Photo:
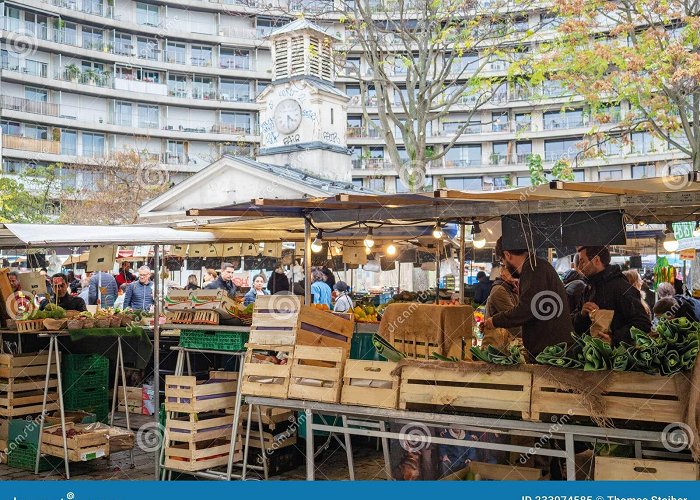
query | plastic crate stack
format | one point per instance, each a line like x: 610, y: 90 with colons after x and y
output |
x: 23, y: 439
x: 86, y: 384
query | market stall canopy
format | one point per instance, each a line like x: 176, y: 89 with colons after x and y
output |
x: 659, y: 199
x: 59, y: 235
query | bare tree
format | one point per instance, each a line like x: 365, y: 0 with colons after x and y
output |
x: 427, y: 59
x: 113, y: 191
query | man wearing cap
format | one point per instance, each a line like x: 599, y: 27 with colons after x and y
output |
x: 344, y: 302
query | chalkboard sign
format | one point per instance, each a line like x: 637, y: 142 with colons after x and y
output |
x: 562, y: 231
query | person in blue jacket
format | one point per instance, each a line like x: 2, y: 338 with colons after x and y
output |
x: 108, y: 284
x: 139, y: 294
x: 258, y: 288
x: 320, y: 291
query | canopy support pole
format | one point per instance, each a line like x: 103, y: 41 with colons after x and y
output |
x: 307, y: 261
x: 462, y: 260
x: 156, y: 341
x: 437, y: 272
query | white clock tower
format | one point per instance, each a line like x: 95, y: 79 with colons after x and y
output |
x: 303, y: 117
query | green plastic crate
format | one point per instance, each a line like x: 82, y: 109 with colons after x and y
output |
x: 79, y: 363
x: 23, y: 456
x: 214, y: 341
x: 361, y: 347
x: 90, y: 378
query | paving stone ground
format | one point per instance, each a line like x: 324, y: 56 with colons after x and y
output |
x: 331, y: 464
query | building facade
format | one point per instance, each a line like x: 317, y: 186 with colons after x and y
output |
x: 177, y: 81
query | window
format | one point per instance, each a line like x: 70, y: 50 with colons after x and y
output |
x: 147, y: 48
x: 464, y: 183
x: 260, y: 86
x: 11, y: 18
x: 352, y: 90
x: 523, y: 149
x: 12, y: 167
x: 356, y: 157
x: 643, y: 171
x: 123, y: 113
x: 148, y: 76
x: 36, y: 25
x: 567, y: 119
x: 201, y: 55
x: 377, y: 184
x: 234, y: 58
x: 561, y: 148
x: 36, y: 132
x: 521, y: 24
x: 499, y: 122
x: 90, y: 65
x: 524, y: 181
x: 611, y: 146
x: 177, y: 85
x: 610, y: 175
x: 523, y: 122
x: 499, y: 153
x: 123, y: 44
x: 203, y: 88
x: 465, y: 63
x: 402, y: 188
x: 147, y: 14
x: 175, y: 53
x: 235, y: 90
x: 11, y: 128
x: 642, y: 143
x: 265, y: 25
x: 148, y: 116
x: 353, y: 66
x: 93, y: 145
x: 579, y: 176
x: 69, y: 142
x: 237, y: 122
x: 357, y: 182
x: 34, y: 94
x: 463, y: 156
x: 91, y: 7
x: 92, y: 38
x: 176, y: 152
x: 553, y: 88
x: 67, y: 35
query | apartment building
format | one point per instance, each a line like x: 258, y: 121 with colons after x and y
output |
x: 176, y: 80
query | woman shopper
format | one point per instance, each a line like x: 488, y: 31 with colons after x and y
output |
x: 636, y: 281
x: 258, y: 288
x: 192, y: 282
x: 344, y: 302
x: 320, y: 291
x: 210, y: 276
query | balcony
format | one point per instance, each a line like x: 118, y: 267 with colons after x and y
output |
x: 500, y: 127
x: 500, y: 97
x: 142, y: 86
x: 372, y: 164
x: 29, y: 144
x: 86, y: 6
x: 30, y: 67
x: 238, y: 64
x: 29, y: 106
x: 66, y: 37
x: 363, y: 132
x: 521, y: 157
x: 462, y: 163
x: 123, y: 49
x: 498, y: 159
x: 231, y: 128
x: 175, y: 159
x: 521, y: 94
x: 186, y: 128
x: 557, y: 155
x: 523, y: 126
x: 174, y: 57
x: 564, y: 122
x: 202, y: 62
x: 205, y: 94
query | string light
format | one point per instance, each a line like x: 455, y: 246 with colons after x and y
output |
x: 317, y: 244
x: 437, y: 231
x: 391, y: 249
x: 477, y: 240
x: 670, y: 242
x: 369, y: 239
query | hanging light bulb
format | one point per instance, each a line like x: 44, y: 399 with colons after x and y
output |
x: 391, y: 249
x: 437, y: 231
x: 338, y: 250
x: 369, y: 239
x: 478, y: 240
x: 368, y: 250
x: 670, y: 242
x: 317, y: 244
x: 696, y: 231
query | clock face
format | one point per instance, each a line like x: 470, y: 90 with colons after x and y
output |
x: 287, y: 116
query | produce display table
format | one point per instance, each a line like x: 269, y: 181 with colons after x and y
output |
x: 563, y: 432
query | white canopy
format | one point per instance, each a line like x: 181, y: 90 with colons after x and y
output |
x: 60, y: 235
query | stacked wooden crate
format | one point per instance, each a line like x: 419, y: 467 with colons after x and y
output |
x: 295, y: 350
x: 22, y: 379
x: 134, y: 399
x: 279, y: 437
x: 199, y: 422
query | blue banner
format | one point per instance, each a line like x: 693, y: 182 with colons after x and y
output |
x: 496, y: 490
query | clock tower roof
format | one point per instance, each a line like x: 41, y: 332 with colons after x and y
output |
x: 302, y: 49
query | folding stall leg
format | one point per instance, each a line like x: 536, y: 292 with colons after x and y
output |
x: 189, y: 363
x: 310, y: 472
x: 570, y: 457
x: 385, y: 450
x: 120, y: 366
x: 236, y: 420
x: 263, y: 453
x: 348, y: 449
x: 179, y: 363
x: 247, y: 441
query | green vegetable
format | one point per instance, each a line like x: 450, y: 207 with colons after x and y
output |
x: 492, y: 355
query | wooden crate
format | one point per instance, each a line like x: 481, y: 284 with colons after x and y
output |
x: 200, y: 455
x: 270, y: 417
x: 272, y: 441
x: 629, y: 396
x: 284, y: 320
x: 119, y: 439
x: 317, y: 365
x: 199, y: 427
x: 213, y: 300
x: 25, y: 365
x: 29, y: 325
x: 370, y: 383
x: 266, y: 379
x: 186, y: 395
x: 632, y: 469
x: 496, y: 472
x: 496, y: 393
x: 205, y: 318
x: 179, y: 317
x: 177, y: 299
x: 88, y: 445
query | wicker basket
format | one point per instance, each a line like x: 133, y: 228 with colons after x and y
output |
x: 126, y: 320
x: 116, y: 322
x: 54, y: 324
x: 103, y: 323
x: 89, y: 323
x: 75, y: 324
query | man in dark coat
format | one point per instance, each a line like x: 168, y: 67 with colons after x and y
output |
x: 224, y: 281
x: 609, y: 289
x: 482, y: 289
x: 543, y: 308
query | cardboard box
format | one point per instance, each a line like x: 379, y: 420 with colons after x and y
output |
x: 148, y: 400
